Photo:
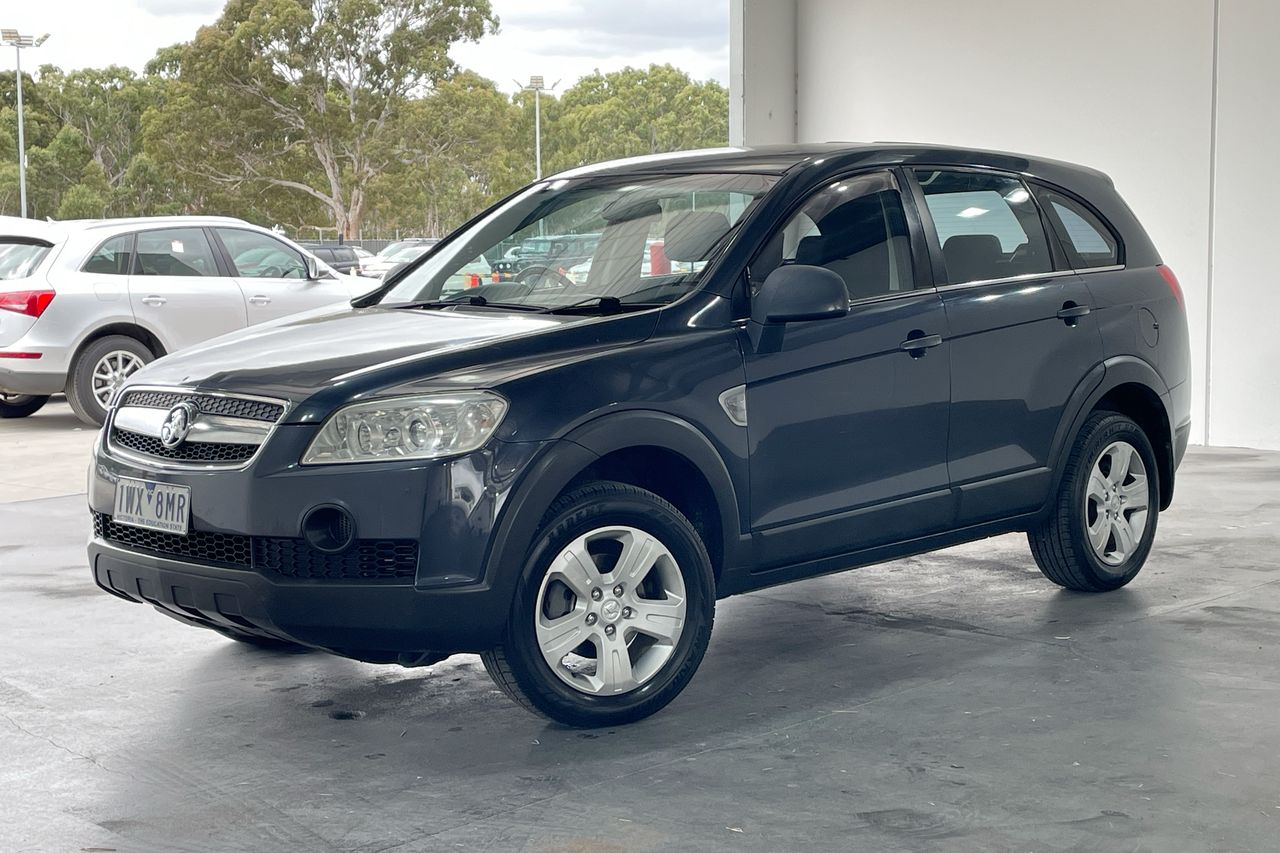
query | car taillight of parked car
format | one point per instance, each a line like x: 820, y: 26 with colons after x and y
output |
x: 30, y: 302
x: 1172, y: 280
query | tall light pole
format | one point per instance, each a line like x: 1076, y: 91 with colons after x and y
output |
x: 537, y: 86
x: 18, y: 42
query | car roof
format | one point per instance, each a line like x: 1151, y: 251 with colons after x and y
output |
x: 780, y: 159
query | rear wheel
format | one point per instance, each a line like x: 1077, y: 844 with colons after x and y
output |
x: 613, y: 614
x: 100, y: 370
x: 1103, y: 523
x: 20, y: 405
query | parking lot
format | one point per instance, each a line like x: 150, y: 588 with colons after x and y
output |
x: 955, y: 700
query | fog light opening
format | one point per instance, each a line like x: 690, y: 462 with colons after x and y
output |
x: 329, y: 529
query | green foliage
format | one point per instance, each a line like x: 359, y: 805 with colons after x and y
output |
x: 327, y: 116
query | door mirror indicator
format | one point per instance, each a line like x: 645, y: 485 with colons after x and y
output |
x: 798, y: 292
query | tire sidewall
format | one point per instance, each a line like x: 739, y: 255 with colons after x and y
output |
x: 85, y: 403
x: 655, y: 517
x: 1107, y: 430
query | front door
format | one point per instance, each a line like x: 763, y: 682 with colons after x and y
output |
x: 1022, y: 338
x: 177, y: 290
x: 847, y: 429
x: 273, y: 276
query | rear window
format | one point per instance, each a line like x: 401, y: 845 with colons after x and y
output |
x: 19, y: 257
x: 1086, y: 239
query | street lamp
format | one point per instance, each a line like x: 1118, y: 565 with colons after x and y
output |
x: 537, y: 87
x: 18, y: 42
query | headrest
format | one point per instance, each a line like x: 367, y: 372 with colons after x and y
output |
x: 691, y: 234
x: 811, y: 250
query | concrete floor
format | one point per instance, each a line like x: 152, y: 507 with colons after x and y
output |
x: 956, y: 701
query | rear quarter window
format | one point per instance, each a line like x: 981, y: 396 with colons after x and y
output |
x: 1088, y: 241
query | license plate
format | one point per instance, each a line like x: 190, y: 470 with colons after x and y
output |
x: 155, y: 506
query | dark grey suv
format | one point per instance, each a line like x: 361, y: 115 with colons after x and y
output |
x: 776, y: 363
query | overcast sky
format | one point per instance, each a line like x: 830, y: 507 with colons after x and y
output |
x: 560, y: 39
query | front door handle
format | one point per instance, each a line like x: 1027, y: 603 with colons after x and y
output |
x: 154, y: 300
x: 1070, y: 312
x: 917, y: 343
x: 259, y: 300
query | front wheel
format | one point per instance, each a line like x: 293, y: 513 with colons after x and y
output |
x: 20, y: 405
x: 613, y: 613
x: 1100, y: 530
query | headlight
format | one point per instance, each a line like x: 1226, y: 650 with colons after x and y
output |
x: 424, y: 427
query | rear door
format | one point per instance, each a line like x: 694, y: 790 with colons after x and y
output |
x: 273, y: 275
x: 178, y: 290
x: 848, y: 416
x: 1022, y: 338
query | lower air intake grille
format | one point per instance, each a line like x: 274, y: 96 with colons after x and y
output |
x: 370, y: 560
x: 215, y: 549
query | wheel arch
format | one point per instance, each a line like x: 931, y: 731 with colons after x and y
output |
x: 1131, y: 387
x: 652, y: 450
x: 138, y: 332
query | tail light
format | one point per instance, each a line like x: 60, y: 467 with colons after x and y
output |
x: 1172, y: 280
x: 29, y: 302
x: 473, y: 280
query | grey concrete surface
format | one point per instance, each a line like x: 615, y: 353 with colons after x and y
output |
x: 44, y: 455
x: 956, y: 701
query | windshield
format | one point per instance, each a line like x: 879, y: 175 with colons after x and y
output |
x: 633, y: 239
x: 19, y: 258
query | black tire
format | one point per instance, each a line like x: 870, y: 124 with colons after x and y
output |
x: 20, y: 405
x: 518, y: 667
x: 80, y: 382
x: 1060, y: 543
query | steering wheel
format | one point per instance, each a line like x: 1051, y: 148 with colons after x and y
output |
x: 274, y: 271
x: 540, y: 277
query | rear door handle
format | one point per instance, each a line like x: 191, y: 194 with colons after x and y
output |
x: 259, y: 300
x: 154, y: 300
x: 919, y: 342
x: 1071, y: 311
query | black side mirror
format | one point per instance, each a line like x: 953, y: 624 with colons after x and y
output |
x: 798, y: 292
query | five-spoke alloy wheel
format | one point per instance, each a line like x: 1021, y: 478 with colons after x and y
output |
x: 1100, y: 527
x: 613, y: 613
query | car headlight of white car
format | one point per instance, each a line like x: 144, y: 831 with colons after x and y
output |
x: 420, y: 427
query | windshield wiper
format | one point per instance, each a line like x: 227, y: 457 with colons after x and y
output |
x: 470, y: 302
x: 606, y: 304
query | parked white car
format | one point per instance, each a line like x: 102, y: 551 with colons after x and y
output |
x: 84, y: 304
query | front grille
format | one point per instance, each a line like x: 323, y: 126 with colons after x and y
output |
x: 191, y: 451
x: 215, y: 549
x: 232, y: 407
x: 367, y: 560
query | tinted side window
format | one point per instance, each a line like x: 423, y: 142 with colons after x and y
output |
x: 856, y: 228
x: 114, y: 257
x: 255, y: 255
x: 175, y: 251
x: 1088, y: 242
x: 988, y: 225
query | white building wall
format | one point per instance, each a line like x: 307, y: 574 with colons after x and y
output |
x: 1127, y: 86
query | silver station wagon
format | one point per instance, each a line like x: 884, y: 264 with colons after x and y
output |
x: 85, y: 304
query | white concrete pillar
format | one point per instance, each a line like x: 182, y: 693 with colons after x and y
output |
x: 762, y: 72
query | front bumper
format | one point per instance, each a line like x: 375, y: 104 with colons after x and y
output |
x: 449, y: 508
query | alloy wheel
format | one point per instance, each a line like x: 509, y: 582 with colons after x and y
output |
x: 1116, y: 503
x: 110, y: 373
x: 611, y: 610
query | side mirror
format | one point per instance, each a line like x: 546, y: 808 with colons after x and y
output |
x: 313, y: 267
x: 798, y: 292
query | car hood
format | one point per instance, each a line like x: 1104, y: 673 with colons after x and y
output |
x: 344, y: 353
